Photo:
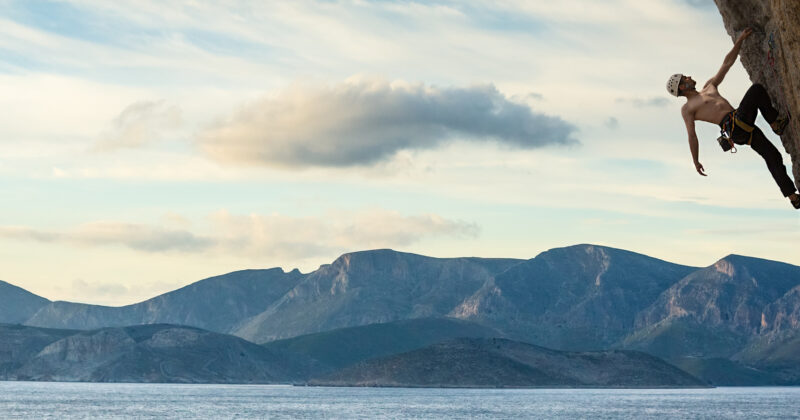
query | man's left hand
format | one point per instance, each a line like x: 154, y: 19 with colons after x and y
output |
x: 745, y: 33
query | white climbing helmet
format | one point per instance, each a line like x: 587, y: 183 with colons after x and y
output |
x: 673, y: 83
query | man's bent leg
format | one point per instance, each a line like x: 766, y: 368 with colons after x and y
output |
x: 756, y: 99
x: 774, y: 161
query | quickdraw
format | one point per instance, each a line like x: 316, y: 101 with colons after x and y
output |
x: 729, y: 124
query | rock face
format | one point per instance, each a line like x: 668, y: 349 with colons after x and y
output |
x: 504, y: 363
x: 19, y: 344
x: 369, y: 287
x: 777, y: 348
x: 771, y: 56
x: 716, y: 311
x: 576, y: 298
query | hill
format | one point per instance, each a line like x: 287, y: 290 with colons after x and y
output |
x: 333, y: 350
x: 504, y: 363
x: 147, y: 353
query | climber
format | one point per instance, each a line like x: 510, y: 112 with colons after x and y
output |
x: 738, y: 125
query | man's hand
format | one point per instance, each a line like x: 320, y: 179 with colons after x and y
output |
x: 745, y: 33
x: 730, y: 58
x: 699, y: 167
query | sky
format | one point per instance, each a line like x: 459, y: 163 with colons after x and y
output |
x: 145, y: 145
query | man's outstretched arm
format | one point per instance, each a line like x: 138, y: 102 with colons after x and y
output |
x: 729, y: 59
x: 694, y: 145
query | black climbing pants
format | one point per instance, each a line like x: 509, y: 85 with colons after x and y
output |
x: 757, y: 99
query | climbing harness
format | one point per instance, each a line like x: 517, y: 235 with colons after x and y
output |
x: 730, y: 123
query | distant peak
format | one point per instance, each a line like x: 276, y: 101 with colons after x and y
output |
x: 372, y: 254
x: 588, y: 248
x: 379, y: 251
x: 742, y: 259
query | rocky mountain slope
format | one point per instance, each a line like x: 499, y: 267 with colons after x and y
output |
x: 19, y: 344
x: 149, y: 353
x: 217, y: 304
x: 577, y: 298
x: 772, y: 56
x: 718, y: 310
x: 17, y: 305
x: 504, y: 363
x: 372, y: 287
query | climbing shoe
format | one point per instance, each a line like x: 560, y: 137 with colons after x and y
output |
x: 779, y: 125
x: 795, y: 199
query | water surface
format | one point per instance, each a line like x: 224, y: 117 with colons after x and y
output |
x: 48, y: 400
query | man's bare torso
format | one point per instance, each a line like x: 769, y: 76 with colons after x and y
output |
x: 708, y: 105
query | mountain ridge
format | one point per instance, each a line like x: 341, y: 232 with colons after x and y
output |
x: 582, y: 297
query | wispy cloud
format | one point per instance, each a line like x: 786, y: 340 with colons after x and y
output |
x: 362, y: 122
x: 655, y: 101
x: 256, y: 235
x: 139, y: 124
x: 135, y: 236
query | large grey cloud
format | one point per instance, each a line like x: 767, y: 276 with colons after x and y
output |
x: 362, y: 122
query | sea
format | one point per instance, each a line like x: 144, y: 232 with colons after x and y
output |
x: 53, y: 400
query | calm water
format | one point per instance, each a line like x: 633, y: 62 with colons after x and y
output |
x: 31, y: 400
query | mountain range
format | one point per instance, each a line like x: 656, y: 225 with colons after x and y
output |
x: 740, y: 311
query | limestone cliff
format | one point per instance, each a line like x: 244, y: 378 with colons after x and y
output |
x: 771, y: 56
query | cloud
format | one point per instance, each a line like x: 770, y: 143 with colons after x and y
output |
x: 655, y: 101
x: 134, y: 236
x: 289, y: 237
x: 362, y: 122
x: 139, y: 124
x: 612, y: 123
x: 81, y: 287
x: 259, y: 236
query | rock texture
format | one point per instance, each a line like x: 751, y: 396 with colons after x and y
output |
x: 771, y: 56
x: 19, y: 344
x: 505, y: 363
x: 576, y: 298
x: 369, y: 287
x: 717, y: 311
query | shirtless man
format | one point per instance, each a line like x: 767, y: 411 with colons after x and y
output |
x: 738, y: 124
